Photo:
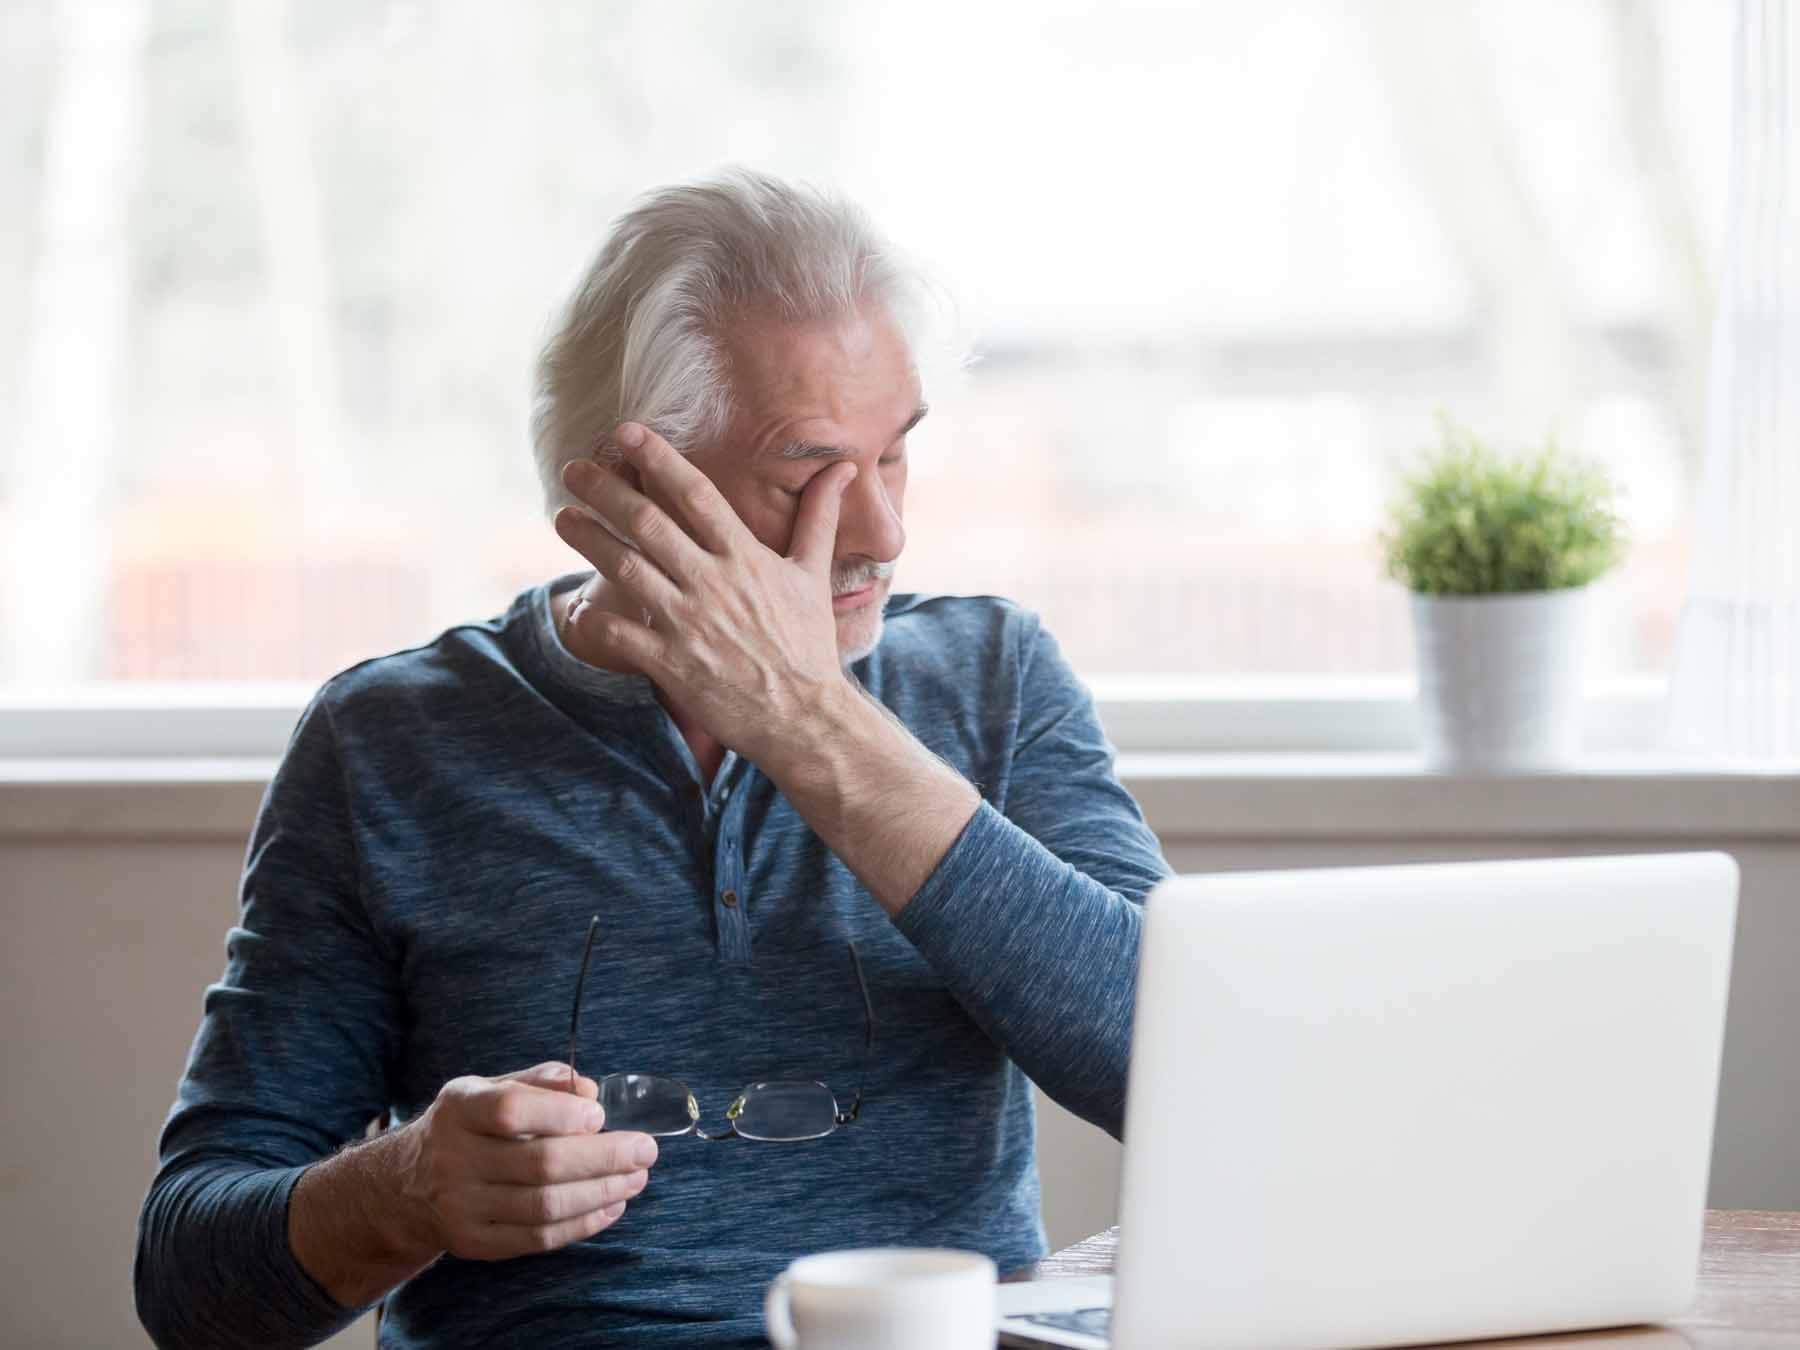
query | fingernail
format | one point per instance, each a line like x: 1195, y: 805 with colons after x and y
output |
x: 615, y: 1209
x: 631, y: 436
x: 595, y: 1116
x: 645, y: 1153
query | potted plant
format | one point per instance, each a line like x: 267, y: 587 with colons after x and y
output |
x: 1499, y: 554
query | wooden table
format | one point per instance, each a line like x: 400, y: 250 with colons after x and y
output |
x: 1749, y: 1288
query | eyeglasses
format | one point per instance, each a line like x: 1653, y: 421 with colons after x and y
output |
x: 780, y: 1111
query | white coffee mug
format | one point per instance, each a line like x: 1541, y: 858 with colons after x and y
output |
x: 883, y: 1298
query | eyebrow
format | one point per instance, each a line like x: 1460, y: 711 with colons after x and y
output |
x: 808, y: 450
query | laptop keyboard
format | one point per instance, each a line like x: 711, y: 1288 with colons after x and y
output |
x: 1089, y: 1321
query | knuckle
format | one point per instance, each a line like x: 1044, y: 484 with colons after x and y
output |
x: 509, y: 1115
x: 614, y: 630
x: 698, y: 500
x: 630, y: 566
x: 543, y: 1207
x: 645, y: 521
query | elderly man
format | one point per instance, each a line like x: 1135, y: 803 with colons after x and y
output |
x: 817, y: 833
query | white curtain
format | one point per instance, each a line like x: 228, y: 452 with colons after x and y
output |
x: 1736, y: 684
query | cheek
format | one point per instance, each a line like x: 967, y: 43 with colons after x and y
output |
x: 770, y: 517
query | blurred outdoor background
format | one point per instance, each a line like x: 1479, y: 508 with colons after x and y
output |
x: 274, y: 274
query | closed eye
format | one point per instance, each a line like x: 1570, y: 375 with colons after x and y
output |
x: 886, y: 462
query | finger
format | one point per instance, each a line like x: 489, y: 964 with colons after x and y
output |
x: 505, y: 1110
x: 531, y: 1205
x: 554, y: 1074
x: 499, y: 1241
x: 700, y: 507
x: 635, y: 517
x: 553, y: 1161
x: 635, y: 573
x: 815, y: 526
x: 613, y: 638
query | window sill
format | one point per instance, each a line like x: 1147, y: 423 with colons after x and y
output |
x: 1186, y: 796
x: 1391, y: 795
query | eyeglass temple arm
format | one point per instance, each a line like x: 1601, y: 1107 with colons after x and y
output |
x: 862, y: 1073
x: 575, y: 1013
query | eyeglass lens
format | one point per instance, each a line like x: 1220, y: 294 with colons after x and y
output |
x: 647, y: 1104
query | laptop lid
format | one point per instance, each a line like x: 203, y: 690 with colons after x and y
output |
x: 1391, y: 1105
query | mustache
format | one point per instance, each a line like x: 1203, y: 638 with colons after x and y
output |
x: 847, y: 580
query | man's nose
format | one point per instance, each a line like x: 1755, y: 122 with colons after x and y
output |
x: 869, y: 519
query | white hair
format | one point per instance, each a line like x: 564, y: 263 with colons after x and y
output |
x: 641, y: 337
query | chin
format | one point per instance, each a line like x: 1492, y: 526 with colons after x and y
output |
x: 860, y: 632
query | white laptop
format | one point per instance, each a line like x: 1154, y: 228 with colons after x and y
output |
x: 1385, y: 1106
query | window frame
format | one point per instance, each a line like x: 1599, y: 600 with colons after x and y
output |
x: 1141, y: 715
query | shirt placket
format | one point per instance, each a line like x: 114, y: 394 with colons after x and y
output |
x: 730, y: 899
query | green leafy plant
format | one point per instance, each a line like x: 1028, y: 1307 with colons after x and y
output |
x: 1472, y: 522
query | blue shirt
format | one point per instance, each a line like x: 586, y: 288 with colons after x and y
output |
x: 414, y: 900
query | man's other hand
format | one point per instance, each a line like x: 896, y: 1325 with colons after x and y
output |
x: 501, y: 1167
x: 494, y: 1167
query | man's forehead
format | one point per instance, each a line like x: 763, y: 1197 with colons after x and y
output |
x: 818, y: 388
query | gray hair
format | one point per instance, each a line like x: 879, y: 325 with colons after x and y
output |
x: 640, y: 339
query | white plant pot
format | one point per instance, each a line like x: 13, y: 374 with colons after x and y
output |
x: 1500, y: 679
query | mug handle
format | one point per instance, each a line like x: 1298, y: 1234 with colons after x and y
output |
x: 775, y: 1315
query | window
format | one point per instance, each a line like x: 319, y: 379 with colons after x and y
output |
x: 278, y: 274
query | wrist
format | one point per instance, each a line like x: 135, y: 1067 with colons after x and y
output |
x: 402, y: 1220
x: 837, y: 724
x: 353, y: 1227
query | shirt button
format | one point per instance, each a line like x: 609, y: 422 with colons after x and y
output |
x: 724, y: 794
x: 729, y: 899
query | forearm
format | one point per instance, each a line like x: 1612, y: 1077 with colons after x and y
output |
x: 1041, y: 955
x: 876, y: 797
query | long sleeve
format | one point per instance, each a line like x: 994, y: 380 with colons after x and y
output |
x: 1033, y: 916
x: 291, y: 1061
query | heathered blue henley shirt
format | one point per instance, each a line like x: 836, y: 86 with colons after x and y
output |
x: 414, y: 899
